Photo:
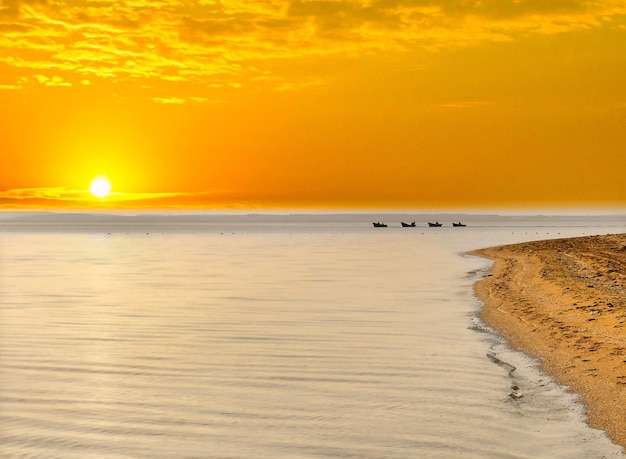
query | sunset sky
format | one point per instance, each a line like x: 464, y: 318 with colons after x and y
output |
x: 333, y: 104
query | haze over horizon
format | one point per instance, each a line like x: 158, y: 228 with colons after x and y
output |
x: 347, y: 104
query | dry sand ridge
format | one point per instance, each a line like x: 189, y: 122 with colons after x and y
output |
x: 564, y: 302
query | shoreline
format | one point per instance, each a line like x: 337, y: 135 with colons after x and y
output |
x: 563, y: 301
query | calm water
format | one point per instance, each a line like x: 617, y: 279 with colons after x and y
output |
x: 267, y: 341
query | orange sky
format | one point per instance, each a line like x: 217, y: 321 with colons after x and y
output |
x: 237, y: 104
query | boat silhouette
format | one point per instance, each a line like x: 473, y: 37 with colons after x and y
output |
x: 436, y: 224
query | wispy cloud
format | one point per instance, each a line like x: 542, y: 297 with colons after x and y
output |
x: 224, y: 43
x: 169, y: 100
x: 67, y: 197
x: 45, y: 193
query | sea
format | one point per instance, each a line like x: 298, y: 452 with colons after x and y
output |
x: 271, y: 336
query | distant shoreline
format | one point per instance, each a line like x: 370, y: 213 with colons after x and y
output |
x: 564, y: 302
x: 392, y: 218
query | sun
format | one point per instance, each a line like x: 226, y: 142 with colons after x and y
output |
x: 100, y: 187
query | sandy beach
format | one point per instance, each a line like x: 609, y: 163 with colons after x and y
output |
x: 564, y: 302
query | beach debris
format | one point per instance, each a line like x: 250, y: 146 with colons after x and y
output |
x: 481, y: 328
x: 516, y: 393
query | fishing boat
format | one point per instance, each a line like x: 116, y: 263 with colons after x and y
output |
x: 436, y: 224
x: 458, y: 224
x: 408, y: 225
x: 379, y: 225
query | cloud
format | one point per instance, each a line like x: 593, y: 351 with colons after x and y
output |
x: 221, y: 43
x: 10, y: 87
x: 43, y: 193
x: 169, y: 100
x: 51, y: 81
x: 56, y: 197
x: 180, y: 100
x: 68, y: 194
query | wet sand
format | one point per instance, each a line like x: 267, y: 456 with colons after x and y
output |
x: 564, y: 302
